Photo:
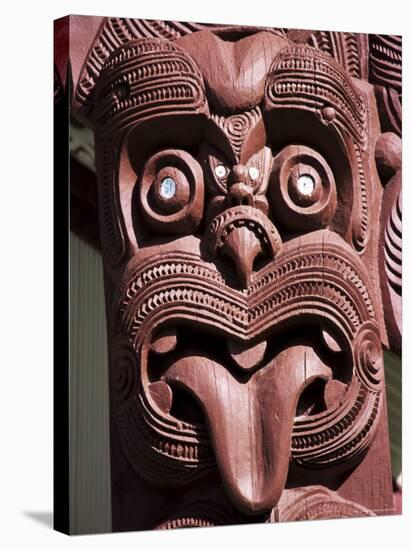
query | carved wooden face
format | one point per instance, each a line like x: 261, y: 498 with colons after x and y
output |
x: 240, y: 199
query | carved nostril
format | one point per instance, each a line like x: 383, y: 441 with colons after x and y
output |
x: 241, y: 194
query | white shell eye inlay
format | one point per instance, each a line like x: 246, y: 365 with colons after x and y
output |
x: 253, y: 173
x: 168, y: 188
x: 220, y: 171
x: 306, y: 184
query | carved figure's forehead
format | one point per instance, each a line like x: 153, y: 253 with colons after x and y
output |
x: 235, y: 77
x: 304, y: 78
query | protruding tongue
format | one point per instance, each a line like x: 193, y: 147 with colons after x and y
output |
x: 250, y: 423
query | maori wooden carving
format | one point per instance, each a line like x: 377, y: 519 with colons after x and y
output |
x: 249, y: 197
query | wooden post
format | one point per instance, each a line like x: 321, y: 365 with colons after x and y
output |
x: 250, y: 216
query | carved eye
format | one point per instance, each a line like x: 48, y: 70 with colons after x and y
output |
x: 302, y: 188
x: 216, y: 169
x: 167, y: 188
x: 253, y: 173
x: 171, y: 192
x: 258, y: 170
x: 220, y: 171
x: 305, y: 185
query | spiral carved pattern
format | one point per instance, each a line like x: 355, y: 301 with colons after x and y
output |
x: 124, y: 374
x: 237, y: 127
x: 321, y: 503
x: 368, y: 357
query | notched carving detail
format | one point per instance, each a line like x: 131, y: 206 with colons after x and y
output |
x: 386, y: 61
x: 393, y: 246
x: 306, y: 78
x: 318, y: 503
x: 143, y: 79
x: 244, y: 234
x: 360, y: 225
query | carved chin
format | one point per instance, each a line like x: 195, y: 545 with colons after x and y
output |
x: 255, y: 398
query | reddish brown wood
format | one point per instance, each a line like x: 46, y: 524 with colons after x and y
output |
x: 249, y: 290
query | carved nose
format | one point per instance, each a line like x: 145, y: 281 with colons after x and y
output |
x: 240, y: 193
x: 237, y: 174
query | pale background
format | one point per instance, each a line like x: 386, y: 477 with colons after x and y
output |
x: 26, y: 229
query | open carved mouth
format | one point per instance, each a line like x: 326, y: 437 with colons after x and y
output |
x: 289, y: 369
x: 172, y: 344
x: 245, y: 396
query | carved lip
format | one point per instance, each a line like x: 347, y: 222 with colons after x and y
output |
x: 322, y: 279
x: 243, y: 216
